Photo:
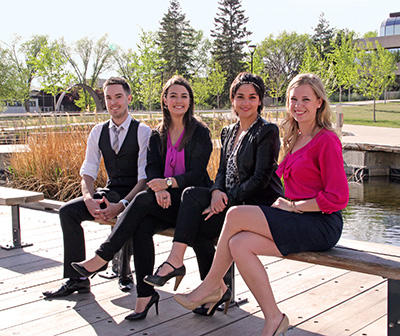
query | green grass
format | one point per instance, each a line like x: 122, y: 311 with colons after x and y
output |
x: 387, y: 115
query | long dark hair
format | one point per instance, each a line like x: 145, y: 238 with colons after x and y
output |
x: 189, y: 121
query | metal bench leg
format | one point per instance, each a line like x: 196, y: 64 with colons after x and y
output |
x: 229, y: 279
x: 16, y: 230
x: 393, y: 311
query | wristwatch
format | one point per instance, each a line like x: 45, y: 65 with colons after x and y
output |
x: 168, y: 181
x: 124, y: 202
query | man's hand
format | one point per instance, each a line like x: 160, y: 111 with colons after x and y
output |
x: 157, y: 184
x: 93, y: 205
x: 111, y: 210
x: 163, y: 198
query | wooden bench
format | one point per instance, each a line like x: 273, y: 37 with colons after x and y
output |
x: 15, y: 198
x: 358, y: 256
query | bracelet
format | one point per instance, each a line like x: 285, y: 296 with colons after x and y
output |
x: 294, y: 207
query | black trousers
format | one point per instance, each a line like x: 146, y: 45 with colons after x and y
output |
x: 193, y: 230
x: 143, y: 215
x: 72, y: 214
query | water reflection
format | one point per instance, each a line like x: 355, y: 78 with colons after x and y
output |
x: 373, y: 213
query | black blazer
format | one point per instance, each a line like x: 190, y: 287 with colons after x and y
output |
x: 197, y: 153
x: 257, y: 162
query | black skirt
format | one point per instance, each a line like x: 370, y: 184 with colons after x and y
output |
x: 301, y: 232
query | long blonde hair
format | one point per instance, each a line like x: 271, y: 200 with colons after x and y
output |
x: 323, y: 116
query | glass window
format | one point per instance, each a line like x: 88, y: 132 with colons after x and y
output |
x: 389, y: 30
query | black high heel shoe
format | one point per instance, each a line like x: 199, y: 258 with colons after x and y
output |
x: 157, y: 280
x: 84, y: 272
x: 203, y: 310
x: 142, y: 315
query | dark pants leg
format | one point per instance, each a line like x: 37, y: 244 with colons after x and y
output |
x: 143, y: 245
x: 72, y: 214
x: 192, y: 230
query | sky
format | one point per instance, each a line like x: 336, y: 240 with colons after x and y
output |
x: 123, y: 20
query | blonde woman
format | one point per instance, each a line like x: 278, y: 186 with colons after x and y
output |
x: 307, y: 219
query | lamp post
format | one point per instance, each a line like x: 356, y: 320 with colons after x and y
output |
x: 252, y: 49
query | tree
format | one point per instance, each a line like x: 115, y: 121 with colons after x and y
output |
x: 201, y: 91
x: 216, y: 81
x: 177, y: 41
x: 128, y: 67
x: 149, y: 69
x: 50, y: 67
x: 230, y: 36
x: 376, y: 72
x: 323, y: 34
x: 89, y: 60
x: 314, y: 63
x: 343, y: 57
x: 281, y: 59
x: 202, y: 54
x: 5, y: 77
x: 21, y: 56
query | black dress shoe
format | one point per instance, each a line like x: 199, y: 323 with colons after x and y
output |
x: 84, y: 272
x: 125, y: 284
x: 157, y: 280
x: 69, y: 287
x: 142, y: 315
x: 203, y: 310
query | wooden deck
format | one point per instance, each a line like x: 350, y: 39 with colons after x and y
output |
x: 318, y: 300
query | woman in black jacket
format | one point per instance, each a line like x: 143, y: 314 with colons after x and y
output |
x: 246, y: 175
x: 177, y: 157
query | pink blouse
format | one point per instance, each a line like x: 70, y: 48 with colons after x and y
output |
x: 316, y: 171
x: 174, y: 160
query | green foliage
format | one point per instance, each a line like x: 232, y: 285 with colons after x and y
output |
x: 85, y: 101
x: 201, y: 91
x: 376, y: 71
x: 21, y: 57
x: 281, y: 58
x: 230, y: 37
x: 314, y: 62
x: 50, y: 67
x: 343, y: 56
x: 6, y: 77
x: 216, y: 81
x: 373, y: 33
x: 177, y: 41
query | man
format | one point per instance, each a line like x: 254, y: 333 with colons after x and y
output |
x: 122, y: 141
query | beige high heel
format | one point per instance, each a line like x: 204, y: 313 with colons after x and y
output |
x: 282, y: 327
x: 213, y: 298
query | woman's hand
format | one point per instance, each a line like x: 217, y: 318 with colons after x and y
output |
x: 163, y: 198
x: 219, y: 201
x: 284, y: 204
x: 157, y: 184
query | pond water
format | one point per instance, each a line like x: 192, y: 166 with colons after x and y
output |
x: 373, y: 212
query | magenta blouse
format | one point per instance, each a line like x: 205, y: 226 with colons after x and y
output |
x: 316, y: 171
x: 174, y: 160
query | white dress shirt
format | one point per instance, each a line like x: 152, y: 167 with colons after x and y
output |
x: 93, y: 154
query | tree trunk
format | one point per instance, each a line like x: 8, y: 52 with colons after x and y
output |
x: 349, y: 95
x: 374, y: 110
x: 340, y: 94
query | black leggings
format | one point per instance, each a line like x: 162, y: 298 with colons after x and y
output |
x: 143, y: 209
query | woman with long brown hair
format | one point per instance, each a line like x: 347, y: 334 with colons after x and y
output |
x: 177, y: 157
x: 307, y: 219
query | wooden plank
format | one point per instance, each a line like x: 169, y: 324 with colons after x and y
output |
x: 359, y: 261
x: 11, y: 196
x: 377, y: 327
x: 349, y: 317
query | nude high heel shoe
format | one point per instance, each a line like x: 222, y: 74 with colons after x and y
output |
x: 282, y: 327
x: 213, y: 298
